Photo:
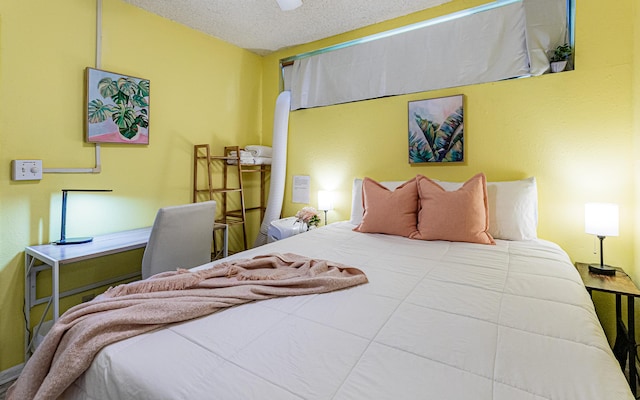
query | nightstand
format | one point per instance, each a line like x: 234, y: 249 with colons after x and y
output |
x: 619, y: 284
x: 284, y: 228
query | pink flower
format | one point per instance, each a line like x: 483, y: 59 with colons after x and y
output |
x: 307, y: 214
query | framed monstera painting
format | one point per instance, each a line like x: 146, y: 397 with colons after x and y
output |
x: 436, y: 130
x: 117, y: 108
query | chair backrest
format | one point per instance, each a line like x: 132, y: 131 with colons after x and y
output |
x: 181, y: 237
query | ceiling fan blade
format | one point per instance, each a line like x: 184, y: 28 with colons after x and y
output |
x: 288, y: 5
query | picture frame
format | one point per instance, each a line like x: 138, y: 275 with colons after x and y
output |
x: 116, y: 108
x: 436, y: 130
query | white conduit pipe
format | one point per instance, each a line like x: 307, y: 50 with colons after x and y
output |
x: 98, y: 167
x: 278, y: 165
x: 95, y: 170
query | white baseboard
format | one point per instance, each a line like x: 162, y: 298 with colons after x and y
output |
x: 10, y: 374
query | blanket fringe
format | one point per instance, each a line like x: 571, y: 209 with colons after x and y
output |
x: 174, y: 280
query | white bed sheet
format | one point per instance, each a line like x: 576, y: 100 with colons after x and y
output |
x: 437, y: 320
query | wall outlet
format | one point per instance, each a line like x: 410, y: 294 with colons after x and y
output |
x: 26, y: 170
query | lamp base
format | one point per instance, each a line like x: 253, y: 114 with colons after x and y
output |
x: 602, y: 269
x: 77, y: 240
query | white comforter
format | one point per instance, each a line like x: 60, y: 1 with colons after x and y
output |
x: 438, y: 320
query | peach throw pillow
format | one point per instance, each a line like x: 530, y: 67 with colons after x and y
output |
x: 391, y: 212
x: 458, y: 216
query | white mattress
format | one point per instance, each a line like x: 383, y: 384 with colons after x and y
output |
x: 437, y: 320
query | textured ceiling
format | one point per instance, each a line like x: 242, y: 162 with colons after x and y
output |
x: 260, y: 26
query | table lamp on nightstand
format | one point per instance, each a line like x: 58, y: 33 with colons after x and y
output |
x: 325, y: 202
x: 601, y: 219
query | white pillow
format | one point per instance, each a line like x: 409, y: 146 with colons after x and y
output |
x: 357, y: 210
x: 513, y: 208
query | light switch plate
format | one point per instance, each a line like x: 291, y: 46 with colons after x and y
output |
x: 26, y: 170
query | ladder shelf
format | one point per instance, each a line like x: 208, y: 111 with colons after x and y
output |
x: 212, y: 190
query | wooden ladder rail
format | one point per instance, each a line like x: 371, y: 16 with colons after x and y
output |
x: 262, y: 169
x: 202, y: 152
x: 197, y: 157
x: 235, y: 217
x: 238, y: 216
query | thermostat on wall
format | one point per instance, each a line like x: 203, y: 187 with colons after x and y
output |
x: 26, y: 170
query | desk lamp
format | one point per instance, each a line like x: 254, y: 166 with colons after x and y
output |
x: 325, y: 202
x: 63, y: 226
x: 601, y: 219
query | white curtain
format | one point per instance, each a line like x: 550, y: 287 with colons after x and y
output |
x: 487, y: 46
x: 546, y: 29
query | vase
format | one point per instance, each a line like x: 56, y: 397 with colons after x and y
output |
x: 558, y: 66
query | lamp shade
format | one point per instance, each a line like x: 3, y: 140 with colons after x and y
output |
x: 325, y: 200
x: 601, y: 219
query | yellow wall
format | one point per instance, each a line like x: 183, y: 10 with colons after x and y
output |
x: 635, y: 87
x: 572, y: 131
x: 203, y: 90
x: 636, y: 124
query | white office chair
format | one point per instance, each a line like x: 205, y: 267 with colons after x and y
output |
x: 181, y: 237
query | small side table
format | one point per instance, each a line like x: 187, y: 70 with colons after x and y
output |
x: 619, y: 284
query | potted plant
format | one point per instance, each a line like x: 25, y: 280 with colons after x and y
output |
x: 128, y: 112
x: 560, y: 56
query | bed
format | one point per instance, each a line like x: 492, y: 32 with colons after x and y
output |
x: 437, y: 320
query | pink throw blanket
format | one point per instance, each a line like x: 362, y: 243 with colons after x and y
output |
x: 166, y: 298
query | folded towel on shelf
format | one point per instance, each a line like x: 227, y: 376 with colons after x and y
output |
x: 243, y: 154
x: 243, y: 161
x: 251, y: 161
x: 262, y: 160
x: 259, y: 151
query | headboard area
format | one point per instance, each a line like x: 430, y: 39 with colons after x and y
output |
x: 512, y: 206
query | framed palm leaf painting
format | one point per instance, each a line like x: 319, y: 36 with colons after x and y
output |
x: 436, y: 130
x: 117, y: 108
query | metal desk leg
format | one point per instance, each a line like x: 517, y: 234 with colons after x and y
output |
x: 225, y: 250
x: 631, y: 344
x: 55, y: 290
x: 28, y: 263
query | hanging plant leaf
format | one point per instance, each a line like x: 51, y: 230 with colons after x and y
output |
x: 107, y: 87
x: 98, y: 111
x: 123, y: 116
x: 143, y: 88
x: 455, y: 153
x: 457, y: 137
x: 428, y: 128
x: 142, y: 121
x: 445, y: 133
x: 139, y: 101
x: 419, y: 149
x: 120, y: 98
x: 127, y: 86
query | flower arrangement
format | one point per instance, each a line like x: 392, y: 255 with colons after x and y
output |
x: 309, y: 216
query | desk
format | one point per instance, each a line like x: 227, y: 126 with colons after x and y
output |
x: 619, y: 284
x: 53, y: 256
